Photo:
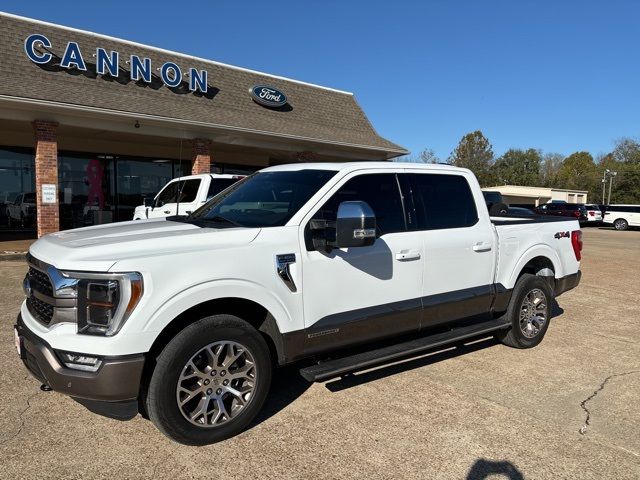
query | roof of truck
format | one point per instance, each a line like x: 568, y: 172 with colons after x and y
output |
x: 350, y: 166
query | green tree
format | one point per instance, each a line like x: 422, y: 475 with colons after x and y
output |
x: 624, y: 159
x: 425, y: 156
x: 578, y: 172
x: 626, y: 185
x: 551, y: 163
x: 518, y: 167
x: 627, y: 151
x: 475, y: 153
x: 428, y: 156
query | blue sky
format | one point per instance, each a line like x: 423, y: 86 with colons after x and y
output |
x: 557, y: 75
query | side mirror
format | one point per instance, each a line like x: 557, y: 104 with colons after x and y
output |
x: 355, y: 225
x: 148, y: 201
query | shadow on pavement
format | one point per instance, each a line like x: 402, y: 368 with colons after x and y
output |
x: 455, y: 350
x: 556, y: 309
x: 484, y: 468
x: 286, y: 386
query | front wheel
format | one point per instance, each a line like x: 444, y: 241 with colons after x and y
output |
x: 210, y: 381
x: 529, y: 312
x: 621, y: 224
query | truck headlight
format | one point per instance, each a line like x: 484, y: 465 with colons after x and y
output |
x: 105, y: 301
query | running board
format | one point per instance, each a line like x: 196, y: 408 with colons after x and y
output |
x: 334, y: 368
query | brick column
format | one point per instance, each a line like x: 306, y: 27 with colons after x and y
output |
x: 46, y: 173
x: 200, y: 156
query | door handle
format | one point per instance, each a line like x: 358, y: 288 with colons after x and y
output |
x: 167, y: 211
x: 482, y: 247
x: 405, y: 255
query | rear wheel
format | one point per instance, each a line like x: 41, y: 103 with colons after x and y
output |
x: 620, y: 224
x: 529, y: 312
x: 210, y: 381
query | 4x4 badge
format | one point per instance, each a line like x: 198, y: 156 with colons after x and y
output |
x: 560, y: 235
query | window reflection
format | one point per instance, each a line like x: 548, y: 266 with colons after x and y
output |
x: 137, y: 179
x: 17, y: 190
x: 85, y: 183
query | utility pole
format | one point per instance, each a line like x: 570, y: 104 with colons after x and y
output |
x: 604, y: 183
x: 611, y: 175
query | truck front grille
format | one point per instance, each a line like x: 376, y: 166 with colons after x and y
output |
x: 42, y: 311
x: 40, y: 282
x: 40, y: 302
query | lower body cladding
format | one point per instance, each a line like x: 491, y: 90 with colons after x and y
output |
x: 112, y: 390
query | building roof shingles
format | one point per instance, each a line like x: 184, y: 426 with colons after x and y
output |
x: 316, y: 113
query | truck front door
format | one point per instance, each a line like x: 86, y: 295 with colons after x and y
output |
x: 353, y: 295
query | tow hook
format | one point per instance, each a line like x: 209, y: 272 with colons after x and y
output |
x: 45, y: 388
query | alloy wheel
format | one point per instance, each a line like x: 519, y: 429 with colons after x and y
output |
x: 216, y: 384
x: 533, y: 313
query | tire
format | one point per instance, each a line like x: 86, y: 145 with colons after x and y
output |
x: 224, y: 335
x: 620, y: 224
x: 529, y: 333
x: 498, y: 209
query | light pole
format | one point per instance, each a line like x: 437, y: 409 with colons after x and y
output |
x: 604, y: 182
x: 611, y: 175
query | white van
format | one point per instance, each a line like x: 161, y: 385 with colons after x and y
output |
x: 622, y: 216
x: 183, y: 195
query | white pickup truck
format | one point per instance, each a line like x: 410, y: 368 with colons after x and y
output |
x: 346, y: 265
x: 184, y: 195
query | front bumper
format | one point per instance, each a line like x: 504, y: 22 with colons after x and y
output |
x: 112, y: 390
x: 567, y: 283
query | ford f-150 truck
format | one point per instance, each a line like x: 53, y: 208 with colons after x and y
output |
x: 183, y: 195
x: 345, y: 265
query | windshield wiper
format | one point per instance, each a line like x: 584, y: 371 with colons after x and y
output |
x: 220, y: 219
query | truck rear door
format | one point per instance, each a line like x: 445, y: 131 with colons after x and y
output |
x: 459, y: 244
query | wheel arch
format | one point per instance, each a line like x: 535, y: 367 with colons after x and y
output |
x: 540, y: 260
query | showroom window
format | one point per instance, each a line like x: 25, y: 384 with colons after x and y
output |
x: 99, y: 188
x: 86, y: 186
x: 17, y: 190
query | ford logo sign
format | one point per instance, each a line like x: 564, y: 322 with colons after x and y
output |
x: 268, y: 96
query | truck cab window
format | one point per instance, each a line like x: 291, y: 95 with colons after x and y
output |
x: 442, y: 201
x: 168, y: 195
x: 189, y: 190
x: 219, y: 184
x: 380, y: 191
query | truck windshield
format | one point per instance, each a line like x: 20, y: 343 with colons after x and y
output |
x: 264, y: 199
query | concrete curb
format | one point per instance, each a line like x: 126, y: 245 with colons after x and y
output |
x: 12, y: 256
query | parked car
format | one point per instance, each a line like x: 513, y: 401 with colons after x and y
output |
x: 622, y: 216
x: 574, y: 210
x: 22, y: 212
x: 520, y: 211
x: 183, y: 195
x: 495, y: 203
x: 603, y: 208
x: 183, y: 318
x: 594, y: 214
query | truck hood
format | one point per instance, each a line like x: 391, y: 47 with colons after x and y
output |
x: 99, y: 248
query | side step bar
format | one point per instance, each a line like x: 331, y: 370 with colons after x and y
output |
x: 339, y: 366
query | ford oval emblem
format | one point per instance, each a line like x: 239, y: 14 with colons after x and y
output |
x: 268, y: 96
x: 26, y: 287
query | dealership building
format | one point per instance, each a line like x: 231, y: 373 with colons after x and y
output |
x: 90, y: 124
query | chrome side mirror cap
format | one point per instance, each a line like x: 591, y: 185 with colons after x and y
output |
x: 355, y: 225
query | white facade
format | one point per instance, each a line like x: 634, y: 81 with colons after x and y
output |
x: 517, y: 194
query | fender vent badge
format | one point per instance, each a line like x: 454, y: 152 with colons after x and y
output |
x: 282, y: 268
